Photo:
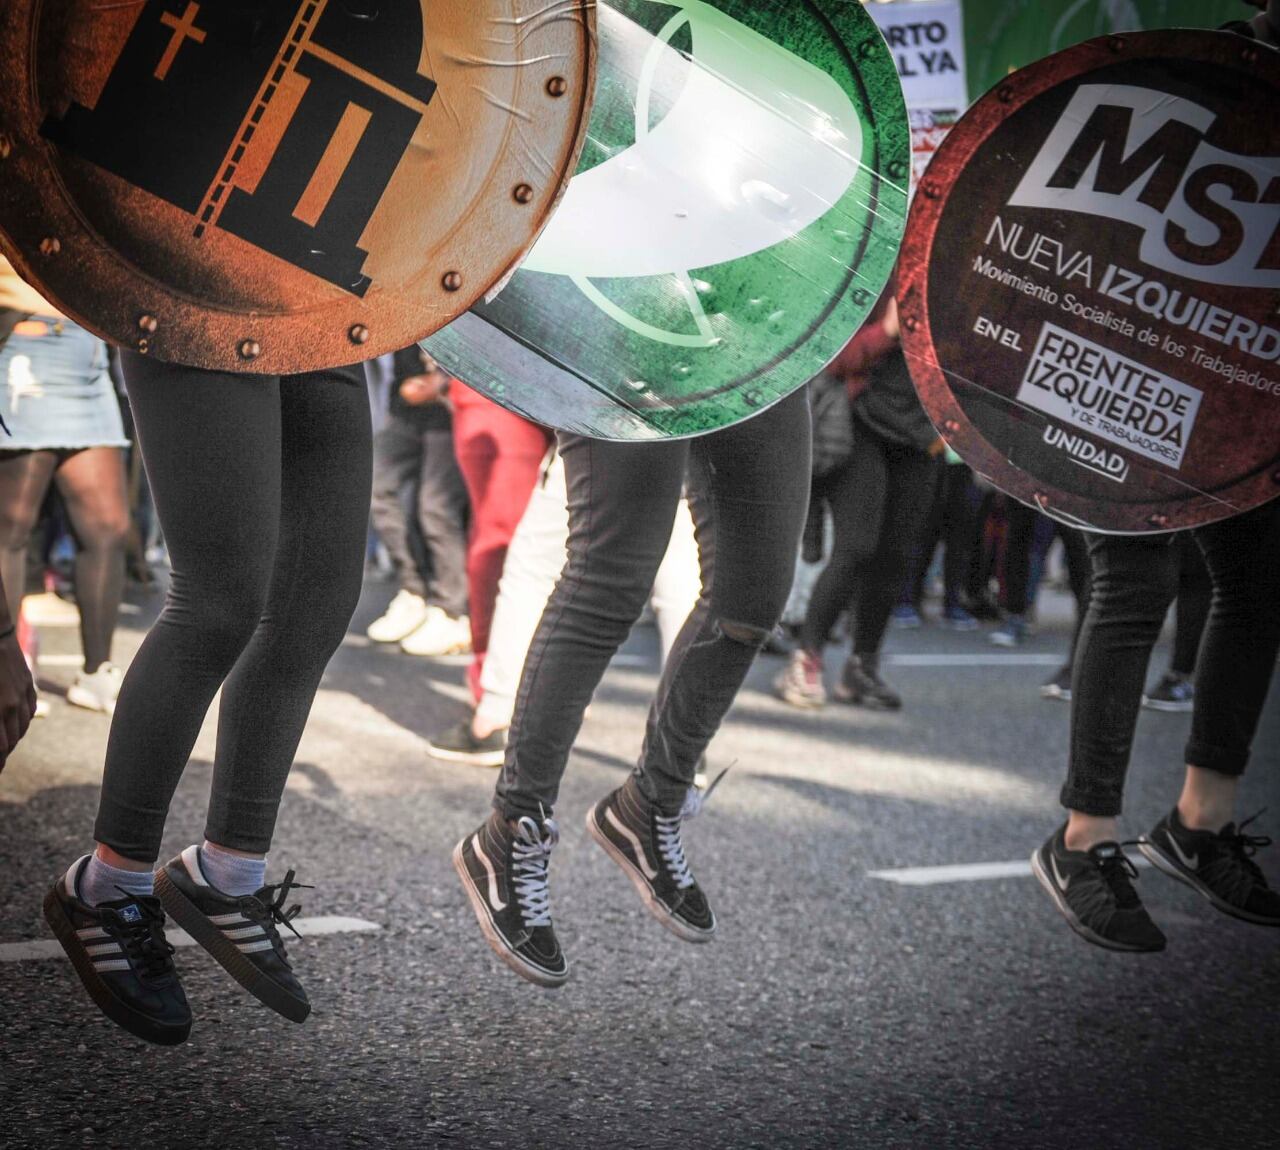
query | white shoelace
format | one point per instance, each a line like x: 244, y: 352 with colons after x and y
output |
x: 669, y: 844
x: 531, y: 852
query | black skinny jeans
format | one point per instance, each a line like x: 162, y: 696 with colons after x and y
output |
x: 262, y: 485
x: 748, y: 489
x: 1135, y: 578
x: 879, y: 501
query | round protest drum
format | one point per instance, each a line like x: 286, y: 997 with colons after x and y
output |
x: 737, y: 212
x: 1090, y: 291
x: 279, y: 186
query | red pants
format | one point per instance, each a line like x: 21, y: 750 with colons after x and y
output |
x: 499, y: 454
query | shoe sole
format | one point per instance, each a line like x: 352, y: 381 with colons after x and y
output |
x: 1074, y: 923
x: 1055, y: 693
x: 803, y: 702
x: 122, y: 1015
x: 654, y: 905
x: 844, y: 695
x: 456, y: 649
x: 225, y: 952
x: 1174, y: 869
x: 1168, y: 708
x: 89, y: 701
x: 497, y: 943
x: 474, y: 759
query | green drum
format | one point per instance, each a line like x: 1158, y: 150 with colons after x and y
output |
x: 735, y: 216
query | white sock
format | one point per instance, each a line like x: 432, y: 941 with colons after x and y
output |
x: 232, y: 874
x: 100, y: 882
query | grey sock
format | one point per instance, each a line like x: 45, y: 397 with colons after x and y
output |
x: 232, y: 874
x: 101, y: 882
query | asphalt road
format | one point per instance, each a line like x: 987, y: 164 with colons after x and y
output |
x: 837, y: 1008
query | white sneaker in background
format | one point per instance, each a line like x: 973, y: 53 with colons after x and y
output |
x: 441, y: 634
x: 406, y: 613
x: 97, y: 692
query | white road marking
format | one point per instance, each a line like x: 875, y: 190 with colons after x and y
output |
x: 307, y: 927
x: 993, y: 659
x: 963, y: 872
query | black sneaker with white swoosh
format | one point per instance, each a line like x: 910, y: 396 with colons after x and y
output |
x: 1093, y: 890
x: 241, y: 932
x: 121, y: 955
x: 503, y: 868
x: 648, y: 848
x: 1218, y: 864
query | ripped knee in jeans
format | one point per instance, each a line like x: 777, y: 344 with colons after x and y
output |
x: 747, y: 634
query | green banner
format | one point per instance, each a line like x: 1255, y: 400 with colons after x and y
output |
x: 1003, y: 35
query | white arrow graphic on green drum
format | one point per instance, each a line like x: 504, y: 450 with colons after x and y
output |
x: 759, y: 145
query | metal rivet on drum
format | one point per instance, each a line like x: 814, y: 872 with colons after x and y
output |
x: 1005, y: 95
x: 1249, y: 56
x: 6, y: 146
x: 1116, y: 43
x: 523, y: 193
x: 249, y: 349
x: 143, y: 345
x: 557, y: 86
x: 452, y: 281
x: 358, y: 334
x: 912, y: 323
x: 148, y: 324
x: 1158, y: 521
x: 50, y: 246
x: 1275, y: 477
x: 930, y: 189
x: 951, y: 425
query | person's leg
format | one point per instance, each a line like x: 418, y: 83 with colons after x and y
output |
x: 911, y: 483
x: 211, y: 445
x: 24, y: 480
x: 397, y: 456
x: 1191, y: 612
x: 622, y: 501
x: 1134, y: 581
x: 325, y: 467
x: 856, y: 496
x: 533, y: 564
x: 1236, y: 663
x: 92, y: 484
x: 1020, y: 534
x: 499, y: 455
x: 1199, y: 842
x: 442, y: 518
x: 748, y: 492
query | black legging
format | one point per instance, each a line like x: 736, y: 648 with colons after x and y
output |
x: 262, y: 486
x: 1135, y: 577
x: 748, y: 488
x: 1191, y: 611
x: 91, y: 483
x: 879, y: 502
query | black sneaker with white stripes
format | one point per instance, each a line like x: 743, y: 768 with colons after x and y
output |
x: 648, y: 848
x: 1093, y: 890
x: 121, y: 955
x: 503, y: 867
x: 240, y: 932
x: 1218, y: 864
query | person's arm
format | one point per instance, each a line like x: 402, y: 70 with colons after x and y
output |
x: 17, y: 691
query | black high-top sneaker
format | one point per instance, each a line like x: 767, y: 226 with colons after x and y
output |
x: 1093, y: 890
x: 647, y: 846
x: 120, y: 953
x: 239, y: 931
x: 1218, y: 864
x: 503, y: 867
x: 860, y: 682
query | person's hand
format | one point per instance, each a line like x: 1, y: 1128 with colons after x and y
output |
x: 418, y: 390
x: 17, y: 696
x: 890, y: 321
